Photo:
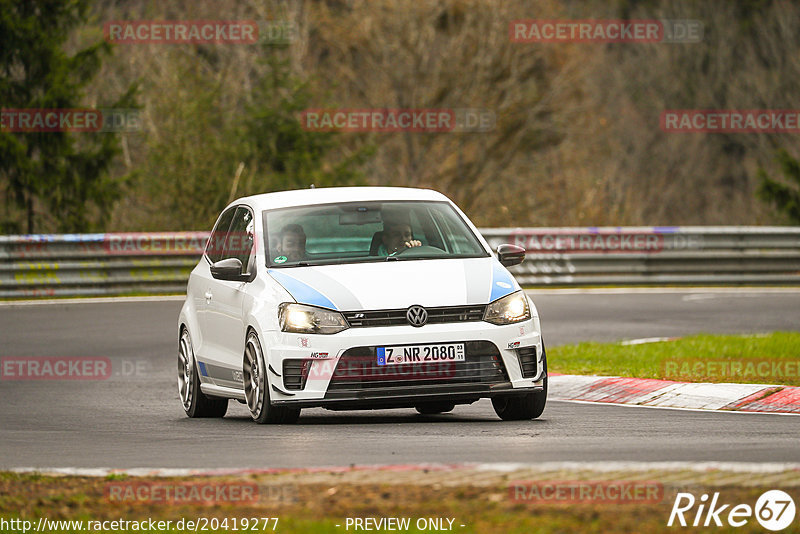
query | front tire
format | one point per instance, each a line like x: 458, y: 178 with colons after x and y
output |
x: 195, y: 402
x: 523, y: 407
x: 256, y: 387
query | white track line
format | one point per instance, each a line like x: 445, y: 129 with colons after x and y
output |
x: 94, y: 300
x: 645, y: 290
x: 736, y: 467
x: 610, y: 466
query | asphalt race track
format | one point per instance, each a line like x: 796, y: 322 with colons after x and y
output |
x: 134, y: 418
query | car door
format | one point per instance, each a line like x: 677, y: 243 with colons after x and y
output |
x: 202, y: 287
x: 226, y: 325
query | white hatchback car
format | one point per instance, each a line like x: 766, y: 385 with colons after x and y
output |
x: 356, y: 298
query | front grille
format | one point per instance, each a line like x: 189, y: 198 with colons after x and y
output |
x: 295, y: 373
x: 527, y: 361
x: 443, y: 314
x: 358, y: 369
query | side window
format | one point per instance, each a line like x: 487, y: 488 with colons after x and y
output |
x: 216, y: 243
x: 239, y: 242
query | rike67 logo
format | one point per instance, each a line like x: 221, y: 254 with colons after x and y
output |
x: 774, y: 510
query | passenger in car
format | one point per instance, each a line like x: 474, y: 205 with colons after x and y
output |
x: 292, y: 242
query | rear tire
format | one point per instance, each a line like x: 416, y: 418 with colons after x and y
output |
x: 432, y: 408
x: 523, y: 407
x: 256, y: 387
x: 195, y: 402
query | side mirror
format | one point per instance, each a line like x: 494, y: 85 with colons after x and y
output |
x: 229, y: 269
x: 510, y: 255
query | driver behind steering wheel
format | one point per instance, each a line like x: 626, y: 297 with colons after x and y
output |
x: 396, y: 237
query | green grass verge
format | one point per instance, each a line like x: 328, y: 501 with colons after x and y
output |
x: 772, y: 358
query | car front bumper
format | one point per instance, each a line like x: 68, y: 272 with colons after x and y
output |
x: 323, y: 354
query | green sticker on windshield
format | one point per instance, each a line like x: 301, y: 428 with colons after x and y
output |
x: 281, y: 259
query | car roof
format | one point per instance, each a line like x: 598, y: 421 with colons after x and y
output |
x: 326, y: 195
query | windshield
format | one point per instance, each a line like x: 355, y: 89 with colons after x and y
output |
x: 367, y: 231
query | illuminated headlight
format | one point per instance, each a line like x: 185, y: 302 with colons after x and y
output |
x: 302, y: 319
x: 510, y: 309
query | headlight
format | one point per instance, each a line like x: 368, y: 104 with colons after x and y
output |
x: 510, y: 309
x: 302, y: 319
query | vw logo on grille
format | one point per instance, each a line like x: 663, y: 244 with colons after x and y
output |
x: 416, y: 316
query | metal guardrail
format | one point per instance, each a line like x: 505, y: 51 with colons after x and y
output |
x: 160, y: 263
x: 98, y: 264
x: 691, y: 255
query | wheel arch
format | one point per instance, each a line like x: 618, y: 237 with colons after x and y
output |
x: 262, y: 341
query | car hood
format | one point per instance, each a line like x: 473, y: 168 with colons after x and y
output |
x: 398, y: 284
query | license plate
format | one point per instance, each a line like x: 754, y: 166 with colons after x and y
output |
x: 403, y: 354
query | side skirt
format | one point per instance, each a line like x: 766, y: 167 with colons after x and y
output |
x: 221, y: 391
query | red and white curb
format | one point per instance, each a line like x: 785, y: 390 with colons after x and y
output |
x: 671, y: 394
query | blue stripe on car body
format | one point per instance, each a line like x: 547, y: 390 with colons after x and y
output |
x: 300, y: 291
x: 502, y: 282
x: 335, y: 291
